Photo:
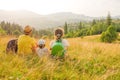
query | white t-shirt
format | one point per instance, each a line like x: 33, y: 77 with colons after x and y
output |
x: 42, y: 52
x: 64, y: 42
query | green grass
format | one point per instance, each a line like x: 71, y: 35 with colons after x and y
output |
x: 87, y: 60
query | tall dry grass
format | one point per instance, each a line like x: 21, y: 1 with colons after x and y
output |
x: 88, y: 59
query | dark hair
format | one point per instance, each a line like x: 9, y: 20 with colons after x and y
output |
x: 59, y: 31
x: 12, y: 46
x: 41, y: 46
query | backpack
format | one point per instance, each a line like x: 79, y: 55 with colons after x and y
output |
x: 58, y: 49
x: 12, y: 46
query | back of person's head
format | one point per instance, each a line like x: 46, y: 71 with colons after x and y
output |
x: 27, y: 30
x: 41, y: 43
x: 12, y: 46
x: 59, y: 32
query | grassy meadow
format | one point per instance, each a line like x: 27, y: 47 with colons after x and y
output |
x: 88, y: 59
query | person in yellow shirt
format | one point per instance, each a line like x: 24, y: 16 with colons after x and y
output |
x: 26, y: 44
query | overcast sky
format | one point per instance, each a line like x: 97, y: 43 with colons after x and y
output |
x: 92, y: 8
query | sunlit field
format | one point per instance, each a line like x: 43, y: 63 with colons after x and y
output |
x: 88, y: 59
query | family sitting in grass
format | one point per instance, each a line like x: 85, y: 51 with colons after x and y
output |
x: 25, y: 44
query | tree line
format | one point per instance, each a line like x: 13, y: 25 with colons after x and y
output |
x: 107, y: 27
x: 7, y: 28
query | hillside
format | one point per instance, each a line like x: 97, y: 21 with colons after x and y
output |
x: 24, y: 17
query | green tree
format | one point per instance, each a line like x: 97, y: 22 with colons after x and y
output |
x: 93, y: 22
x: 80, y: 25
x: 65, y: 28
x: 98, y: 28
x: 10, y: 28
x: 17, y: 33
x: 109, y: 20
x: 110, y: 35
x: 2, y: 32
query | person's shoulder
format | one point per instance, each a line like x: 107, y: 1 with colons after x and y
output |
x: 21, y: 36
x: 32, y: 38
x: 45, y: 48
x: 37, y: 49
x: 64, y: 40
x: 52, y: 41
x: 26, y: 37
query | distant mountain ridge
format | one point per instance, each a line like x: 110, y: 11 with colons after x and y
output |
x: 24, y: 17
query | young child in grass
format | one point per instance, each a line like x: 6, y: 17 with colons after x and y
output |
x: 57, y: 42
x: 42, y: 51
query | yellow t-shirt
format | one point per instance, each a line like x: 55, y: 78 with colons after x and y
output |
x: 26, y: 44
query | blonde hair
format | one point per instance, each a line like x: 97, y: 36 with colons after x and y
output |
x: 27, y: 30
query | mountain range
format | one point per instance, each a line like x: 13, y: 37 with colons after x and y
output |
x: 24, y: 17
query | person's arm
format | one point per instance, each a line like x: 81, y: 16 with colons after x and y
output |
x: 51, y: 43
x: 47, y: 51
x: 66, y: 44
x: 37, y: 50
x: 34, y: 46
x: 34, y: 50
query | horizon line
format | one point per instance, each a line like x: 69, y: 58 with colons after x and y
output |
x: 44, y: 14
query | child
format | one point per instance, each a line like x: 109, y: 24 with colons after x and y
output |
x: 12, y: 46
x: 42, y: 50
x: 59, y: 46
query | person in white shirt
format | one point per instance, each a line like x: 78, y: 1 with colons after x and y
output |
x: 42, y: 51
x: 59, y: 37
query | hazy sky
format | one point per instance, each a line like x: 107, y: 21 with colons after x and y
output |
x: 86, y: 7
